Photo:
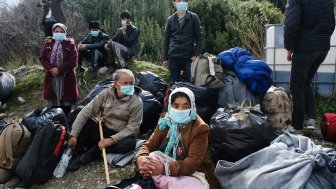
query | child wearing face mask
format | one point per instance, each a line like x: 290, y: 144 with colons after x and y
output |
x: 174, y: 155
x: 124, y: 44
x: 59, y: 58
x: 182, y: 41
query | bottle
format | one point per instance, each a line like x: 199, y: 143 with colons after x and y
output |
x: 63, y: 163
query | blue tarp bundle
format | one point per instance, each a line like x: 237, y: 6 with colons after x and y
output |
x: 255, y: 73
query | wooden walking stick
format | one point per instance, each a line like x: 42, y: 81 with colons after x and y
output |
x: 103, y: 150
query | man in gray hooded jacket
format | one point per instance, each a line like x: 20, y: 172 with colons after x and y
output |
x: 122, y: 110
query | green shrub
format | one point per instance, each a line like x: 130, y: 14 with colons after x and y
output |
x: 225, y: 24
x: 325, y: 105
x: 247, y: 25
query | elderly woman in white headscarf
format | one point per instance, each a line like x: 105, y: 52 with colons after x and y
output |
x: 174, y: 155
x: 59, y: 59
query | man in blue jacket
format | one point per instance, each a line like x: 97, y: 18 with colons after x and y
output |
x: 92, y: 48
x: 308, y: 28
x: 182, y: 41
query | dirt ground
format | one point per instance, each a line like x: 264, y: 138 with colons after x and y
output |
x: 93, y: 175
x: 86, y: 177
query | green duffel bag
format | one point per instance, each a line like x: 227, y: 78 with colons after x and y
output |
x: 206, y: 71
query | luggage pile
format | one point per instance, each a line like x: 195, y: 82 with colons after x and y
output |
x: 233, y: 95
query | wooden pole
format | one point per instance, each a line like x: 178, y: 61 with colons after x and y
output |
x: 103, y: 150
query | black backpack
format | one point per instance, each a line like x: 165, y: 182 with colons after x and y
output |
x: 43, y: 155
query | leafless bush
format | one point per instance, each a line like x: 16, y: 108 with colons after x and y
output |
x: 21, y: 33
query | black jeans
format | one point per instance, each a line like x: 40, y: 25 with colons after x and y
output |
x: 304, y: 67
x: 47, y: 26
x: 89, y: 137
x: 95, y: 56
x: 176, y: 65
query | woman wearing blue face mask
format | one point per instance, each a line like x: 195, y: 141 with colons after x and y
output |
x: 174, y: 156
x: 59, y: 58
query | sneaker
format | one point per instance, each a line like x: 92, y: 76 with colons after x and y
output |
x: 91, y: 155
x: 290, y: 129
x: 102, y: 70
x: 311, y: 124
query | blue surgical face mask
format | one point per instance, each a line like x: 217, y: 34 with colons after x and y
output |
x: 123, y: 23
x: 181, y: 6
x: 94, y: 33
x: 127, y: 90
x: 180, y: 116
x: 59, y: 36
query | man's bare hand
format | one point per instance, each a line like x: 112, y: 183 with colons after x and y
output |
x: 82, y: 47
x: 165, y: 63
x: 289, y: 55
x: 72, y: 142
x: 106, y: 142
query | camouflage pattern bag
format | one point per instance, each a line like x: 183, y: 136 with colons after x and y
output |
x: 277, y: 105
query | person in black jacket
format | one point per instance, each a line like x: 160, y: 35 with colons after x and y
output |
x: 52, y: 13
x: 92, y: 48
x: 123, y: 45
x: 182, y: 41
x: 308, y: 28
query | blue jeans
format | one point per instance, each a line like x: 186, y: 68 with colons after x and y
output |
x: 176, y: 65
x: 304, y: 67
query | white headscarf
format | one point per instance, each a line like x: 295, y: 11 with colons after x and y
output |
x: 174, y: 128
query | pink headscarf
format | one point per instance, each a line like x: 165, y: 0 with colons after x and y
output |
x: 57, y: 51
x: 60, y: 25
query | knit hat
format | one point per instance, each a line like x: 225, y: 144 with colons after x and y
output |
x: 60, y: 25
x: 94, y: 25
